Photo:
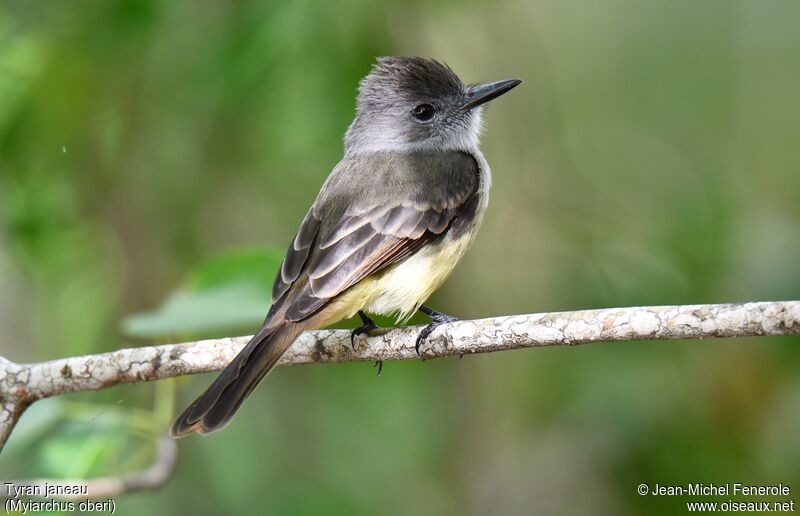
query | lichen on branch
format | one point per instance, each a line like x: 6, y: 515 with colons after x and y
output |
x: 23, y: 384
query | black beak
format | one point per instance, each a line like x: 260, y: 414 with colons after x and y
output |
x: 483, y: 93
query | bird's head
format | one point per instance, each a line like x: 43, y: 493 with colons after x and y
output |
x: 418, y: 104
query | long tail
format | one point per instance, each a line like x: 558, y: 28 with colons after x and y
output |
x: 213, y: 409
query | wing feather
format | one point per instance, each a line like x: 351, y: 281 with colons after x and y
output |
x: 346, y: 238
x: 296, y: 256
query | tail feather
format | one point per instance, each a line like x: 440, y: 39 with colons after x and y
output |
x: 213, y: 409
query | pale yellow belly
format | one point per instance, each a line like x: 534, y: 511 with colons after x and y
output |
x: 401, y: 288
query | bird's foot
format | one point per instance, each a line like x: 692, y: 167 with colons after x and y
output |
x: 437, y: 319
x: 368, y: 327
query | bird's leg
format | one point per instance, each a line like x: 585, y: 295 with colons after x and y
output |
x: 367, y: 327
x: 437, y: 319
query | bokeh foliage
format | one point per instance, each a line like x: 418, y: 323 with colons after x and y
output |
x: 651, y: 156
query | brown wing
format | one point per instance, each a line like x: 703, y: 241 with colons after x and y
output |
x: 405, y: 211
x: 296, y: 256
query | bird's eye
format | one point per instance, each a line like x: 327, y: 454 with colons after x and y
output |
x: 423, y: 112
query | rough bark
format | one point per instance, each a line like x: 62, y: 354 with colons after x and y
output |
x: 23, y: 384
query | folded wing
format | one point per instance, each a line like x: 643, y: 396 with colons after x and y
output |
x: 373, y: 212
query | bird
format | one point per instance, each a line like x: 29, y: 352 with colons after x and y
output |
x: 388, y: 226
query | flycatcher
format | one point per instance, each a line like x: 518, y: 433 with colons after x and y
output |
x: 387, y: 228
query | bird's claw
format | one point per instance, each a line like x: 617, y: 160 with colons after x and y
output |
x: 367, y: 327
x: 437, y: 319
x: 423, y: 334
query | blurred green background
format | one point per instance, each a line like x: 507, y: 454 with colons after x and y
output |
x: 652, y: 156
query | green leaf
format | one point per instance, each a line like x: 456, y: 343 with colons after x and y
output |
x: 78, y: 453
x: 93, y: 440
x: 230, y: 291
x: 253, y: 266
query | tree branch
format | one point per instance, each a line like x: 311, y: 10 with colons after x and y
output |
x: 23, y: 384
